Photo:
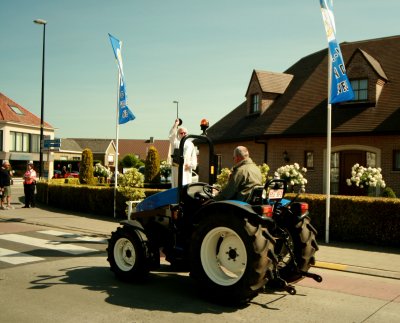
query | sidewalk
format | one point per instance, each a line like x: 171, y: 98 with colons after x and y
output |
x: 362, y: 259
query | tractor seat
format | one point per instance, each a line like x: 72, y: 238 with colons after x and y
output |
x: 255, y: 196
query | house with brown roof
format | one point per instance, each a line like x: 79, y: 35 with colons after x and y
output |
x: 104, y: 150
x: 20, y: 142
x: 20, y: 136
x: 140, y: 147
x: 283, y: 119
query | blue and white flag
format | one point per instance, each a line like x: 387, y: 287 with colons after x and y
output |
x: 125, y: 114
x: 341, y: 90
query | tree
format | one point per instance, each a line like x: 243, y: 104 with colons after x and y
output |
x: 86, y: 167
x: 152, y: 166
x: 131, y: 160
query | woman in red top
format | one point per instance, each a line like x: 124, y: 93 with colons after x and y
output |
x: 29, y: 185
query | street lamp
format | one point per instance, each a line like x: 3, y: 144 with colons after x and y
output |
x: 177, y: 103
x: 42, y: 22
x: 177, y: 112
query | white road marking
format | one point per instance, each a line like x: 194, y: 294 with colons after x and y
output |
x: 16, y: 258
x: 75, y: 236
x: 47, y: 244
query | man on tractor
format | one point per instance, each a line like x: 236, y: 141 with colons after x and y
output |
x: 244, y: 177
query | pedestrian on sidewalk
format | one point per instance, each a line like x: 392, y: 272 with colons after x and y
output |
x: 5, y: 185
x: 29, y: 185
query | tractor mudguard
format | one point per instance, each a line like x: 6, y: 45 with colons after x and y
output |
x: 158, y: 200
x: 137, y: 228
x: 236, y: 207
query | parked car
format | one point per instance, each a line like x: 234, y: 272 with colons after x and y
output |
x: 57, y: 174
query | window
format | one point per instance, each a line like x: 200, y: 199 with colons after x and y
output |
x: 309, y: 159
x: 16, y: 110
x: 360, y: 88
x: 35, y: 143
x: 396, y: 160
x: 1, y: 140
x: 255, y: 104
x: 24, y: 142
x: 371, y: 159
x: 335, y: 173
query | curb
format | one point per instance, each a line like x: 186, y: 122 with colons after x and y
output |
x: 358, y: 270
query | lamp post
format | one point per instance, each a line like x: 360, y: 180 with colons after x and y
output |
x: 177, y: 103
x: 42, y: 22
x: 177, y: 112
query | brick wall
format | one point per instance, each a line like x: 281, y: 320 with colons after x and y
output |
x: 383, y: 146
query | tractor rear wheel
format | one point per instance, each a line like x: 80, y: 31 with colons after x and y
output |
x: 230, y: 258
x: 127, y: 254
x: 303, y: 244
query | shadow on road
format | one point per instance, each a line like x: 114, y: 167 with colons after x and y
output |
x: 163, y: 291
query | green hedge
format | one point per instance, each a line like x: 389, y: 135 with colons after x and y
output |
x: 353, y: 219
x: 370, y: 220
x: 84, y: 198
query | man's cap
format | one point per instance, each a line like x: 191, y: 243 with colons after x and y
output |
x: 30, y: 162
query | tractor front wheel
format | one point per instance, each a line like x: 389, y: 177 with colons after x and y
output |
x: 127, y: 254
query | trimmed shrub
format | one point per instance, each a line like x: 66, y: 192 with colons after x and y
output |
x: 86, y: 168
x: 131, y: 160
x: 152, y: 166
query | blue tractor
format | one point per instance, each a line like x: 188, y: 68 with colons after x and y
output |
x: 231, y: 248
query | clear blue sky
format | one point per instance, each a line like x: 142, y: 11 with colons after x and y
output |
x: 200, y: 53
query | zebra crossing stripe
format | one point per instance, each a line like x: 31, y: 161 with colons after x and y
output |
x: 16, y: 258
x: 47, y: 244
x: 75, y: 236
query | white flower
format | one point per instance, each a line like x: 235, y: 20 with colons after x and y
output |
x: 365, y: 177
x: 293, y: 174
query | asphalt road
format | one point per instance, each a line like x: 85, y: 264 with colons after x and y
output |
x: 71, y: 282
x: 56, y: 273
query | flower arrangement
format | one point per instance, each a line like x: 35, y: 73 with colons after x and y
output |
x: 293, y: 174
x: 264, y: 168
x: 365, y: 177
x: 222, y: 178
x: 130, y: 185
x: 100, y: 170
x: 165, y: 169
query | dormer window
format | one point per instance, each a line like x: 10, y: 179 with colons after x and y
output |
x: 360, y: 89
x: 16, y: 110
x: 255, y: 104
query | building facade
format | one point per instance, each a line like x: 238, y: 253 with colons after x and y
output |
x: 20, y: 137
x: 284, y: 118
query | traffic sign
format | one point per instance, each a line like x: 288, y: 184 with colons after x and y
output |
x: 52, y: 143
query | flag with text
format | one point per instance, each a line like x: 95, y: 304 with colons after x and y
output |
x: 124, y: 113
x: 341, y: 89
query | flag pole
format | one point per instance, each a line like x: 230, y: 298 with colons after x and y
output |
x: 328, y: 151
x: 116, y: 147
x: 342, y: 92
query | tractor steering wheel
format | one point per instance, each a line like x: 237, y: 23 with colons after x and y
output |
x: 209, y: 189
